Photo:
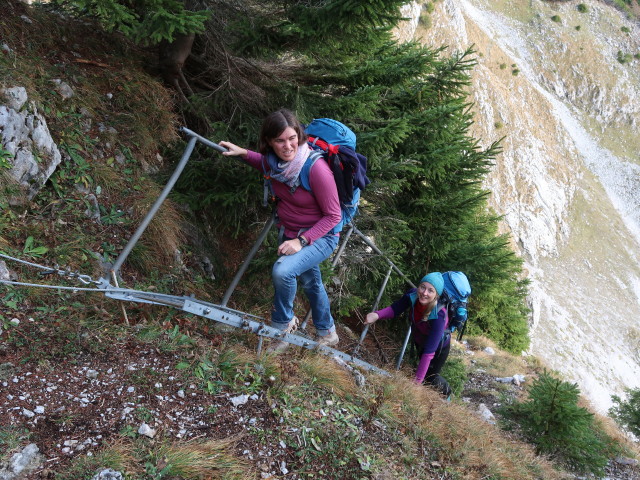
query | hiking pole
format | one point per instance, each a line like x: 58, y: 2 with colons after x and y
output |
x: 375, y: 307
x: 404, y: 348
x: 461, y: 332
x: 334, y: 262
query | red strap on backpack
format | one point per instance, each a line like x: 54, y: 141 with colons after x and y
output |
x: 327, y: 147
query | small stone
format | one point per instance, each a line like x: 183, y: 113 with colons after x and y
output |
x: 92, y: 374
x: 486, y: 414
x: 146, y: 430
x: 239, y: 400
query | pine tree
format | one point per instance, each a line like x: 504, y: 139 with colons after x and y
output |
x: 145, y: 21
x: 552, y: 420
x: 627, y: 412
x: 408, y: 105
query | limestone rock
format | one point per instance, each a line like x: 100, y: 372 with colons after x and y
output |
x: 25, y: 135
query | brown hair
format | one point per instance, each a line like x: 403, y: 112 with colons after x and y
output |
x: 274, y: 124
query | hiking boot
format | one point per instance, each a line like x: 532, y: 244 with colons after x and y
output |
x: 329, y: 340
x: 280, y: 345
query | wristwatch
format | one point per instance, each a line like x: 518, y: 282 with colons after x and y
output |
x: 303, y: 241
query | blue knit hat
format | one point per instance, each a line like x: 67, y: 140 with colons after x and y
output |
x: 435, y: 279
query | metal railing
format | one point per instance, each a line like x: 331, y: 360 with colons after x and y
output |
x: 221, y: 313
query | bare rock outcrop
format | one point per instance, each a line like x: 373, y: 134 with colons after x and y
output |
x: 25, y: 137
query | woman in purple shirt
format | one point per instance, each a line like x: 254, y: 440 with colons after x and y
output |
x: 429, y: 321
x: 307, y: 220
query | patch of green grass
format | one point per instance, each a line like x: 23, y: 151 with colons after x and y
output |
x: 582, y: 8
x: 10, y: 439
x: 556, y: 18
x: 623, y: 57
x: 455, y: 372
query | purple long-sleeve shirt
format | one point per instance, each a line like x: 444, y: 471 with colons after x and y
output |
x: 426, y: 334
x: 314, y: 213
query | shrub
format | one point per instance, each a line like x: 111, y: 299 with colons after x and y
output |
x: 582, y: 8
x: 625, y: 29
x: 627, y: 412
x: 578, y: 27
x: 556, y: 18
x: 552, y: 420
x: 623, y: 57
x: 425, y: 20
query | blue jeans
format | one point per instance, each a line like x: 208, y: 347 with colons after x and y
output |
x: 303, y: 264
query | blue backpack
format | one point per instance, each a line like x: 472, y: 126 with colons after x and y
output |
x: 336, y: 144
x: 456, y: 294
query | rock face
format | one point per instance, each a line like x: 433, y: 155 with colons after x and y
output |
x: 568, y: 179
x: 24, y: 134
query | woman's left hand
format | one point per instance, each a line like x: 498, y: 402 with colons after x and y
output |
x: 289, y: 247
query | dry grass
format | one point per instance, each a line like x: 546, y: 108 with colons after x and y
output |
x: 479, y: 449
x: 208, y: 459
x: 164, y: 234
x: 193, y: 460
x: 326, y: 373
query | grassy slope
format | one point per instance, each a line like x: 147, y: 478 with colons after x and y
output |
x: 390, y: 426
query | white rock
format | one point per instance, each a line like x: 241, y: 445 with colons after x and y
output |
x: 489, y: 351
x: 147, y: 431
x: 15, y: 97
x: 22, y: 462
x: 504, y: 379
x: 486, y: 414
x: 63, y: 89
x: 15, y: 321
x: 28, y: 413
x: 92, y: 374
x: 239, y: 400
x: 39, y: 410
x: 108, y: 474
